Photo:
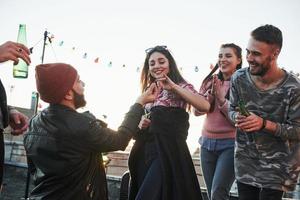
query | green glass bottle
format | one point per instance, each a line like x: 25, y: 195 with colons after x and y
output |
x: 243, y: 110
x: 21, y: 69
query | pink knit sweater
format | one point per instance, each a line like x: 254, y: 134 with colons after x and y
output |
x: 217, y: 124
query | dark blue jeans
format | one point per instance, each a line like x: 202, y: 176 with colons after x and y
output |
x: 149, y: 175
x: 218, y: 172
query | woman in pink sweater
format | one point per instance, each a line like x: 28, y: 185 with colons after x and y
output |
x: 218, y: 133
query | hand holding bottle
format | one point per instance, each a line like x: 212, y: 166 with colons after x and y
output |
x: 247, y: 121
x: 13, y: 51
x: 250, y: 123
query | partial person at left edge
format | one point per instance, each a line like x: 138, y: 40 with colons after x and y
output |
x: 9, y: 115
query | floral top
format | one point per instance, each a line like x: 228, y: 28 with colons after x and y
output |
x: 171, y: 99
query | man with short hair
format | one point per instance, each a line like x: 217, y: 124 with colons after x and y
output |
x: 64, y: 146
x: 267, y: 161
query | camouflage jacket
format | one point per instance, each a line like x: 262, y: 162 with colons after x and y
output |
x: 262, y: 159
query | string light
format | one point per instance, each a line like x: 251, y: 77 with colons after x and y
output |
x: 85, y: 55
x: 96, y: 60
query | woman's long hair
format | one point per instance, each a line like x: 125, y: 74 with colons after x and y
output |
x: 174, y: 74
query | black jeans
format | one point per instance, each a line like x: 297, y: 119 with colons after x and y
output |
x: 249, y: 192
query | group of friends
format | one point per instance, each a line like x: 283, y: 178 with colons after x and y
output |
x: 251, y: 131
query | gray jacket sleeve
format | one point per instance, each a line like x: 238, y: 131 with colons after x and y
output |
x: 290, y: 129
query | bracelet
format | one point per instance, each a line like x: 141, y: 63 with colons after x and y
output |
x: 263, y: 124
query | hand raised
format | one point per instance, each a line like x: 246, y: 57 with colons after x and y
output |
x: 13, y: 51
x: 149, y: 95
x: 219, y: 92
x: 165, y: 82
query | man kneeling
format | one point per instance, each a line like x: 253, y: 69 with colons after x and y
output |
x: 63, y: 146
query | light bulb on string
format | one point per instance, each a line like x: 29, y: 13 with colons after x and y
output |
x: 85, y: 55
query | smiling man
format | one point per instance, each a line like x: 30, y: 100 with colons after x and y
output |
x: 267, y: 142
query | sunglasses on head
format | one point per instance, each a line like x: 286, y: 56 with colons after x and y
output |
x: 161, y: 47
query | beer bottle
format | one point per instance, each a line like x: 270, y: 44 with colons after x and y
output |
x: 243, y: 109
x: 20, y: 70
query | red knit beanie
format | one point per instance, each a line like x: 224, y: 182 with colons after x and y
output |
x: 54, y: 80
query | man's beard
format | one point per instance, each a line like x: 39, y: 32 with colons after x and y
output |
x: 261, y: 72
x: 79, y: 100
x: 263, y: 68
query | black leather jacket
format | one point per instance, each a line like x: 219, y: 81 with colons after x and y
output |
x: 64, y: 152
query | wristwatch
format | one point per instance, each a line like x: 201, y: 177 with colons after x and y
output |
x: 263, y: 124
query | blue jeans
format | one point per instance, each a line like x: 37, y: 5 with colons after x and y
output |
x: 218, y: 172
